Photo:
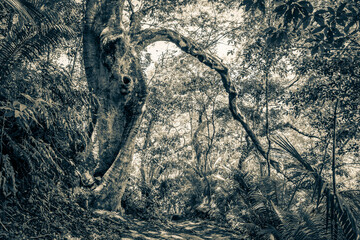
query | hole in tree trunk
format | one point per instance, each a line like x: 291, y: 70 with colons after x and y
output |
x: 126, y: 80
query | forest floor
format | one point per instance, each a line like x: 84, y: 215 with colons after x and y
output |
x: 196, y: 230
x: 75, y: 223
x: 184, y: 229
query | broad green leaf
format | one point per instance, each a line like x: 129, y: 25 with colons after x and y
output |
x: 320, y: 36
x: 331, y: 11
x: 341, y: 20
x: 280, y: 10
x: 295, y: 15
x: 321, y: 11
x: 315, y: 50
x: 347, y: 28
x: 318, y: 29
x: 339, y: 42
x: 319, y: 19
x: 310, y: 40
x: 329, y: 35
x: 306, y: 22
x: 261, y: 6
x: 340, y: 9
x: 337, y: 33
x: 307, y: 5
x: 288, y: 17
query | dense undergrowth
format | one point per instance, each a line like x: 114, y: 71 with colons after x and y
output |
x: 44, y: 130
x: 42, y: 138
x: 52, y: 215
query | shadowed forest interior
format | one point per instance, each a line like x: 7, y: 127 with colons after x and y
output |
x: 181, y: 119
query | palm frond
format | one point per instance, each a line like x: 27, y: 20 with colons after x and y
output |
x: 31, y: 12
x: 29, y: 40
x: 21, y: 9
x: 285, y: 144
x: 336, y: 209
x: 29, y: 44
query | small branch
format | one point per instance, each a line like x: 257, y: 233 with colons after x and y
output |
x: 334, y: 149
x: 347, y: 164
x: 135, y: 18
x: 267, y: 123
x: 1, y: 144
x: 75, y: 58
x: 4, y: 226
x: 289, y: 125
x: 40, y: 236
x: 131, y: 6
x: 296, y: 189
x: 214, y: 41
x: 324, y: 158
x: 295, y: 80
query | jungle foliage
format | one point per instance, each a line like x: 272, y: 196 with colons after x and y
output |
x: 288, y: 171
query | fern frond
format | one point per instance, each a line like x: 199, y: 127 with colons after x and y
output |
x: 346, y: 219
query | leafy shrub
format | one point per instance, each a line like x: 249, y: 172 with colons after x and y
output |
x: 42, y: 129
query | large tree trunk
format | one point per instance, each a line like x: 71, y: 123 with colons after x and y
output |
x: 115, y: 78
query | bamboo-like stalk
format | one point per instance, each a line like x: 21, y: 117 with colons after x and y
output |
x: 334, y: 149
x: 334, y: 221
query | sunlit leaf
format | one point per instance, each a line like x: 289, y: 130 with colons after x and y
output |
x: 28, y: 97
x: 348, y: 27
x: 22, y: 107
x: 17, y: 113
x: 16, y: 103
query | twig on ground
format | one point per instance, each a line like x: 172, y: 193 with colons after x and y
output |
x: 3, y: 226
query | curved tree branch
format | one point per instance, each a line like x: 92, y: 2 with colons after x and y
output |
x: 149, y: 36
x: 289, y: 125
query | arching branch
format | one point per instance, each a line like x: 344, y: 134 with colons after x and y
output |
x: 149, y: 36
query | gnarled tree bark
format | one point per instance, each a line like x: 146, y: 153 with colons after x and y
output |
x: 115, y: 77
